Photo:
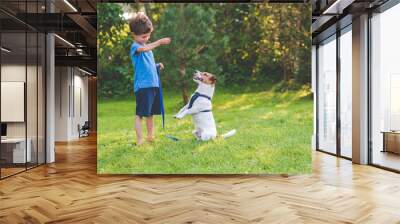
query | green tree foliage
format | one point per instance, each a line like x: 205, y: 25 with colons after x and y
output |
x: 237, y: 35
x: 191, y: 28
x: 239, y: 43
x: 285, y: 40
x: 113, y: 41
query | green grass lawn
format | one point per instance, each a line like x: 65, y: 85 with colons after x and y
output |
x: 273, y: 136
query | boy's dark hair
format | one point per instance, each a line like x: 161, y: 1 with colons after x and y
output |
x: 140, y: 24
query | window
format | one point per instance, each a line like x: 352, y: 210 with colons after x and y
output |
x: 385, y: 89
x: 346, y: 92
x: 327, y: 95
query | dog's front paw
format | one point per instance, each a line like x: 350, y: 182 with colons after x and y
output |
x: 178, y: 116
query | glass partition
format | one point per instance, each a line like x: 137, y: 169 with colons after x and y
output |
x: 327, y: 95
x: 13, y: 94
x: 385, y: 89
x: 22, y: 101
x: 346, y: 92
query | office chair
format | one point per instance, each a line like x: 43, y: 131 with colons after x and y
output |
x: 84, y: 130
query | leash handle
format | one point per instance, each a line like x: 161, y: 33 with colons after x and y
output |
x: 161, y: 95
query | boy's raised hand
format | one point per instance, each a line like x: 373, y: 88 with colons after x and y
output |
x: 161, y: 66
x: 165, y: 40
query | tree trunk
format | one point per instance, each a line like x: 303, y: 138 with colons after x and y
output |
x: 185, y: 94
x: 284, y: 70
x: 182, y: 56
x: 182, y: 71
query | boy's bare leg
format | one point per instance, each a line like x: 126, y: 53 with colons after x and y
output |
x: 138, y: 128
x: 150, y: 129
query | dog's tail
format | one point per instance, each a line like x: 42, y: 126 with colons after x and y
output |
x: 229, y: 134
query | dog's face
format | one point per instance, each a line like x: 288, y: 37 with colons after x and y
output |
x: 204, y: 77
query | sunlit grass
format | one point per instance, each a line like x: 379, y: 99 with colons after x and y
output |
x: 273, y: 136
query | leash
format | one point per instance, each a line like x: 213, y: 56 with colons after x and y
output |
x: 162, y: 103
x: 161, y: 96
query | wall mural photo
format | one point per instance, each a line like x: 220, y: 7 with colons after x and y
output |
x: 204, y: 88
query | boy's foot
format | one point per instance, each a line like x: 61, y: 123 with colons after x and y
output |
x: 139, y: 143
x: 150, y: 139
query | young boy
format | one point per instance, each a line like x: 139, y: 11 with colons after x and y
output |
x: 146, y: 83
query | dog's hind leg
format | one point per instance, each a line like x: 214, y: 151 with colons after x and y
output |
x: 197, y: 134
x: 207, y: 136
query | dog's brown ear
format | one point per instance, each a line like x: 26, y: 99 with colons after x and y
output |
x: 213, y: 79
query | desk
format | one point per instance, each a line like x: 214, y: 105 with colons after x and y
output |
x: 391, y: 141
x: 17, y: 150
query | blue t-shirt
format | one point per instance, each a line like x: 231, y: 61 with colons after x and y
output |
x: 145, y: 68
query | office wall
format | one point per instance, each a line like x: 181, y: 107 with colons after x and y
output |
x: 81, y: 113
x: 92, y: 98
x: 71, y: 102
x: 33, y: 126
x: 15, y: 72
x: 62, y: 81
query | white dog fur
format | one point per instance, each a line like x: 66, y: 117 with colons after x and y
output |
x: 205, y: 128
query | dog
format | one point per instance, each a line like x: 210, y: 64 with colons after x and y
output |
x: 200, y: 107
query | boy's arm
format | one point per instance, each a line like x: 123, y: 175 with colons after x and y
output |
x: 155, y: 44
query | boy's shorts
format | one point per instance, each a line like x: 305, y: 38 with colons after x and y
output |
x: 148, y: 102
